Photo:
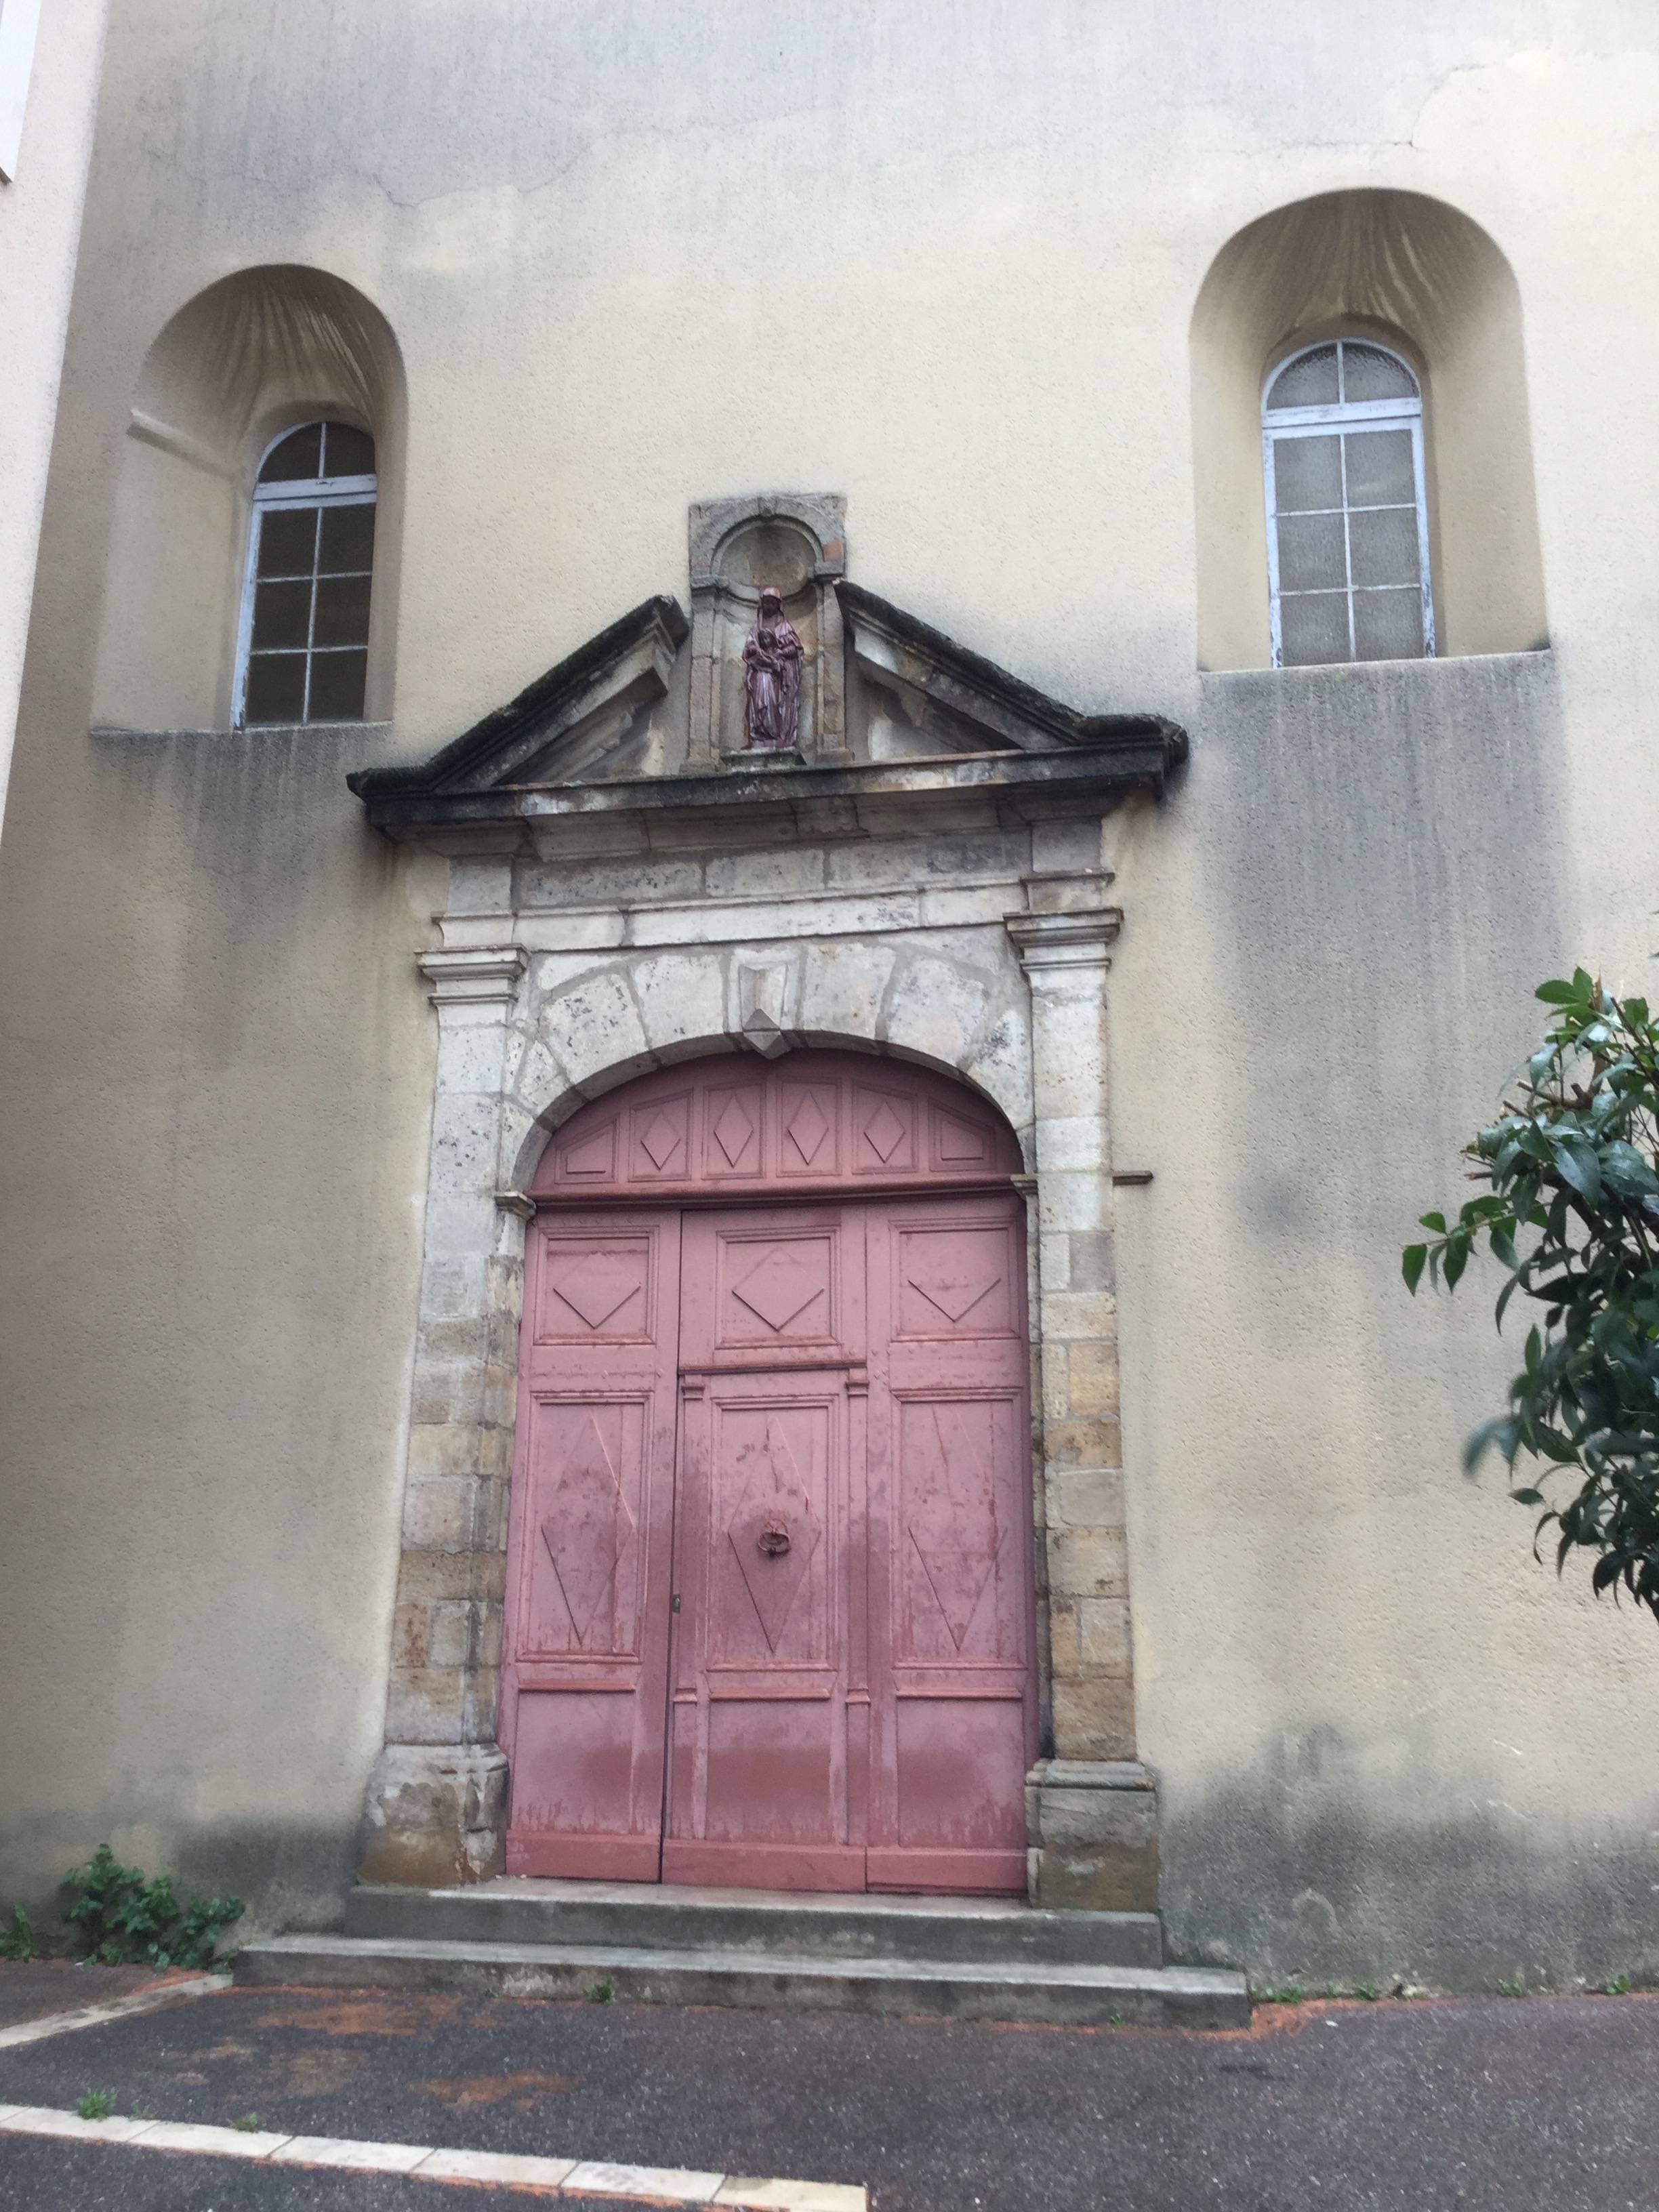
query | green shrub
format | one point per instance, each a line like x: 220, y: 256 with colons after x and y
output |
x: 1572, y: 1213
x: 127, y: 1920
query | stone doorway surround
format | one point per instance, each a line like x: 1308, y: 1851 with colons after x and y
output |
x: 950, y: 908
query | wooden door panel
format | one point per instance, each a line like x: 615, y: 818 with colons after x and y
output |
x: 952, y: 1678
x: 772, y: 1555
x: 774, y: 1290
x: 589, y: 1555
x: 958, y: 1598
x: 582, y: 1588
x: 957, y: 1284
x: 768, y: 1519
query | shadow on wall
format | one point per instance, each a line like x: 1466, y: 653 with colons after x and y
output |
x: 244, y: 361
x: 1424, y: 280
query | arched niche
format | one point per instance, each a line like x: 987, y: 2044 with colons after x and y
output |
x: 248, y: 358
x: 796, y: 543
x: 1430, y: 283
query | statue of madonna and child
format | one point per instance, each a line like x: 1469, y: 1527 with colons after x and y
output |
x: 772, y: 659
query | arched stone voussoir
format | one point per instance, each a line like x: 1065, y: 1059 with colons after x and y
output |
x: 843, y: 984
x: 945, y: 1014
x: 681, y: 996
x: 594, y: 1027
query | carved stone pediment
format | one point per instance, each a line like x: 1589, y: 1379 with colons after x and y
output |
x: 603, y: 705
x: 951, y: 700
x: 897, y: 721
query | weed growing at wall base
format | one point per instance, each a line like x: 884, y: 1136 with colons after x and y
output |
x: 130, y: 1921
x: 19, y: 1940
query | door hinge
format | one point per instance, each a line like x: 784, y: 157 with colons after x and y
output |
x: 674, y: 1603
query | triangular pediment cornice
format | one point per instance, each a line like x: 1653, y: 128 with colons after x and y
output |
x: 533, y: 739
x: 981, y: 706
x: 568, y: 748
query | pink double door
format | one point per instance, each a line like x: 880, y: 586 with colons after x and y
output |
x: 770, y: 1610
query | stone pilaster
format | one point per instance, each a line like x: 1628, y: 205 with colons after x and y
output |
x: 1093, y: 1810
x: 437, y: 1802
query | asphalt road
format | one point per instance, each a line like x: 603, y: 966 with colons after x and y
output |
x: 1545, y: 2103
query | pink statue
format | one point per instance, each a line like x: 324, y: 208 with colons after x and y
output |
x: 772, y: 659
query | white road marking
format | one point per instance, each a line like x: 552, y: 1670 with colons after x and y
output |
x: 545, y: 2177
x: 94, y: 2015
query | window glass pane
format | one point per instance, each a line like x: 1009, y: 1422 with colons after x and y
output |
x: 1380, y: 472
x: 1387, y: 625
x: 1310, y: 553
x: 282, y: 616
x: 1309, y: 382
x: 1312, y: 628
x: 288, y: 542
x: 350, y: 452
x: 1307, y: 472
x: 336, y: 686
x: 348, y: 539
x: 1383, y: 544
x: 299, y: 455
x: 275, y: 687
x: 342, y: 610
x: 1367, y: 372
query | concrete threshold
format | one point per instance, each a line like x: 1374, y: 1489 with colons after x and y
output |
x: 1049, y: 1990
x: 797, y: 1923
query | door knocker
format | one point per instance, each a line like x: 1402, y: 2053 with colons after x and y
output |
x: 774, y: 1540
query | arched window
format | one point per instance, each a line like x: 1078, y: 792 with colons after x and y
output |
x: 302, y: 655
x: 1348, y: 521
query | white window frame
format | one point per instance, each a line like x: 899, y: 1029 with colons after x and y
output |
x: 271, y: 499
x: 1336, y: 416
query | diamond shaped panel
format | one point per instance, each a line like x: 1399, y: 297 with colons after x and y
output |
x: 660, y: 1140
x: 807, y: 1129
x: 955, y: 1287
x: 955, y: 1492
x: 883, y: 1132
x: 589, y: 1527
x: 734, y: 1131
x: 773, y: 1532
x: 780, y: 1289
x: 597, y: 1287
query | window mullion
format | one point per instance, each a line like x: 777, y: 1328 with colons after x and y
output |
x: 311, y: 611
x: 1347, y: 540
x: 1274, y: 625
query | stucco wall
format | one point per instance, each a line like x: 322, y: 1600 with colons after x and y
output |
x: 944, y: 259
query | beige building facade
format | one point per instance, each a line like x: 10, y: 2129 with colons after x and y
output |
x: 1114, y: 802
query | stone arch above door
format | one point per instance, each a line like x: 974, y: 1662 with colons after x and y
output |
x: 732, y: 1128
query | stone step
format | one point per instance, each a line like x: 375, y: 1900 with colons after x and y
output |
x: 670, y: 1916
x: 1048, y: 1990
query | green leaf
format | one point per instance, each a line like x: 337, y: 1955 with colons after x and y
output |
x: 1435, y: 1221
x: 1558, y: 993
x: 1578, y: 1168
x: 1411, y: 1265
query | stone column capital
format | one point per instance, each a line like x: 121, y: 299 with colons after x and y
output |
x: 1046, y: 941
x: 474, y: 975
